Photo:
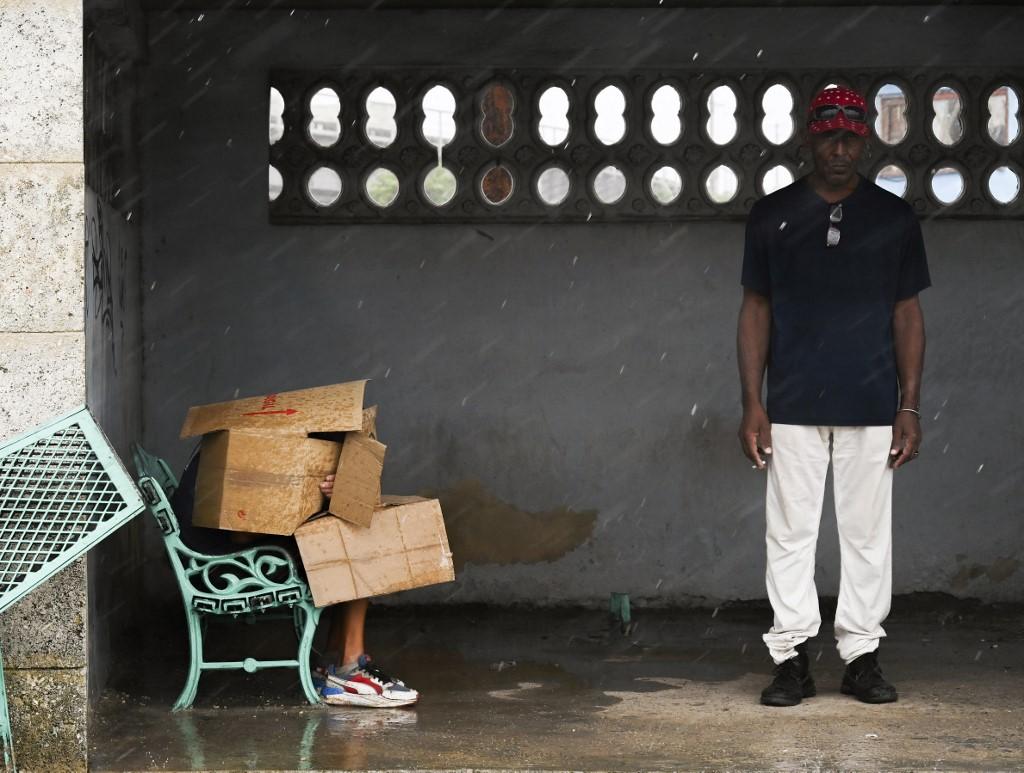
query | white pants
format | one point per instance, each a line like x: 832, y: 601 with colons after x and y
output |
x: 797, y: 468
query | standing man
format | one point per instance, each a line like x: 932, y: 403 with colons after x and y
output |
x: 831, y: 271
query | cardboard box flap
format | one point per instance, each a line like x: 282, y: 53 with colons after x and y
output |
x: 335, y: 408
x: 370, y: 421
x: 357, y: 479
x: 393, y: 500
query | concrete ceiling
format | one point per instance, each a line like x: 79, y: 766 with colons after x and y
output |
x: 169, y: 5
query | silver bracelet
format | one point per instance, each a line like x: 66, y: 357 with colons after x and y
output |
x: 911, y: 410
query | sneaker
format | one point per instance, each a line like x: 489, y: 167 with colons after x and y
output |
x: 319, y: 677
x: 792, y: 682
x: 863, y: 679
x: 366, y: 685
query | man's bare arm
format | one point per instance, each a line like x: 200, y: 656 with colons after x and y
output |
x: 752, y: 339
x: 909, y: 344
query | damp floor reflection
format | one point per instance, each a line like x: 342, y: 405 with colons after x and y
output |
x: 559, y: 689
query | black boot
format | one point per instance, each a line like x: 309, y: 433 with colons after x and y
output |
x: 863, y: 679
x: 792, y: 682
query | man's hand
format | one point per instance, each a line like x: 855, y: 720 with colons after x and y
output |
x: 906, y: 439
x: 756, y: 436
x: 327, y: 487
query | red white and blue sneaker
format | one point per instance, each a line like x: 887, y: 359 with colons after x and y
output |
x: 365, y: 685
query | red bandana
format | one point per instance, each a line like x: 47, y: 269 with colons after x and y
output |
x: 842, y: 97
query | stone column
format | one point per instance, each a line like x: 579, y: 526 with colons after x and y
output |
x: 42, y: 348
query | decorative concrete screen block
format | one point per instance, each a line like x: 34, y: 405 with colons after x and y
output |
x: 41, y: 232
x: 41, y: 73
x: 480, y: 149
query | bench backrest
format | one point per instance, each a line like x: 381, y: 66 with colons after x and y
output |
x: 239, y: 582
x: 146, y: 464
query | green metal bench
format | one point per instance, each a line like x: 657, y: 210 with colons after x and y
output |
x: 248, y: 581
x: 156, y: 468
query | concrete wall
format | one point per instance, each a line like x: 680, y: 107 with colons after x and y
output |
x: 42, y: 363
x: 112, y: 260
x: 570, y: 392
x: 113, y: 381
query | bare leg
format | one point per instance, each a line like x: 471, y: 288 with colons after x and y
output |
x: 369, y: 686
x: 345, y: 638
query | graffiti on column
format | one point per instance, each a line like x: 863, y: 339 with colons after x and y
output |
x: 107, y: 242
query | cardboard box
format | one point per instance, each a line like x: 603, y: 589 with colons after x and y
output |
x: 404, y: 547
x: 261, y: 472
x: 258, y: 482
x: 357, y: 479
x: 335, y: 408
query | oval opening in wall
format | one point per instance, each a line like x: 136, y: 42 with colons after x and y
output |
x: 609, y: 185
x: 722, y: 184
x: 325, y: 123
x: 382, y: 187
x: 553, y: 186
x: 324, y: 186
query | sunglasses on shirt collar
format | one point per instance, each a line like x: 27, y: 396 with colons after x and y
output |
x: 834, y: 216
x: 828, y: 112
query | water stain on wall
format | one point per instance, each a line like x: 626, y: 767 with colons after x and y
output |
x: 1001, y: 569
x: 484, y: 530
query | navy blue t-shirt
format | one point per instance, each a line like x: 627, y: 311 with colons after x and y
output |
x: 831, y: 360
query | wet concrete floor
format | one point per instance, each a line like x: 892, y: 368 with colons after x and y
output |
x: 563, y: 690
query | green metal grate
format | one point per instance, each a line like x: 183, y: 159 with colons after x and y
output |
x: 62, y: 490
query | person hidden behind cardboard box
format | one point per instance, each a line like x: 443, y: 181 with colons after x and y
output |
x: 264, y: 467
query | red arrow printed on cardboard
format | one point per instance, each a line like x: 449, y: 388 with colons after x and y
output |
x: 288, y: 412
